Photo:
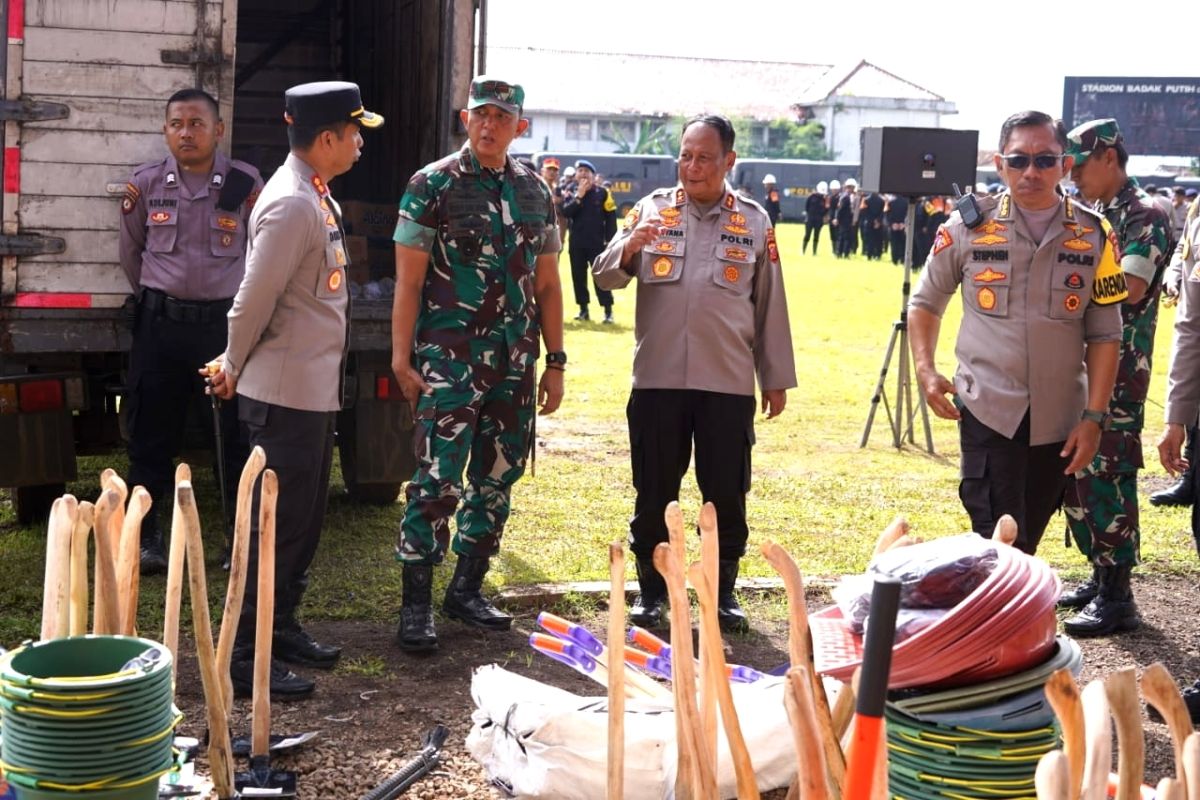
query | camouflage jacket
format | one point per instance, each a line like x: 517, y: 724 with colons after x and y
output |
x: 1143, y: 235
x: 483, y: 230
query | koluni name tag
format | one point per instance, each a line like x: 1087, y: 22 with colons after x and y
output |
x: 159, y: 217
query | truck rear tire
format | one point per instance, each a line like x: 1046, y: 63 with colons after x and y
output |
x: 32, y: 503
x: 374, y: 494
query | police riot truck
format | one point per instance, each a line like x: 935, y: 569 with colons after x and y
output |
x: 795, y: 179
x: 85, y: 84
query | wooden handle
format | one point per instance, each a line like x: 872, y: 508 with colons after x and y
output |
x: 710, y: 563
x: 129, y: 564
x: 1063, y: 694
x: 84, y: 520
x: 1006, y: 530
x: 1121, y: 689
x: 616, y: 675
x: 107, y: 605
x: 897, y: 528
x: 109, y: 479
x: 1052, y: 777
x: 220, y: 756
x: 688, y: 781
x: 238, y: 564
x: 56, y: 612
x: 264, y: 620
x: 1191, y: 766
x: 174, y: 594
x: 1160, y: 691
x: 1097, y: 726
x: 1170, y: 789
x: 747, y: 784
x: 802, y: 713
x: 800, y: 653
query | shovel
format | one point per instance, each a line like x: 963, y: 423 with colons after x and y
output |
x: 261, y: 780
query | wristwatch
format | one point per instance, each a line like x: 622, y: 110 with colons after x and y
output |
x: 1101, y: 418
x: 558, y: 357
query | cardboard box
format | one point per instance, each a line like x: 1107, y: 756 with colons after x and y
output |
x: 377, y: 220
x: 359, y: 252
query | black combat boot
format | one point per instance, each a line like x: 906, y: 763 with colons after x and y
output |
x: 466, y: 603
x: 608, y: 317
x: 153, y: 556
x: 1112, y: 610
x: 1083, y: 594
x: 1181, y: 494
x: 729, y: 614
x: 582, y: 316
x: 647, y: 610
x: 416, y: 633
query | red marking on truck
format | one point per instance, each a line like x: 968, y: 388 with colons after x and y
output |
x: 52, y: 300
x: 12, y: 170
x: 16, y: 20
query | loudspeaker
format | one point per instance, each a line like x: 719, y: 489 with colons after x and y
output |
x: 918, y: 161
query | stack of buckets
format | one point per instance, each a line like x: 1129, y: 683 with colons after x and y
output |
x: 87, y: 717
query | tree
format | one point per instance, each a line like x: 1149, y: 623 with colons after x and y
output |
x: 785, y: 139
x: 654, y: 138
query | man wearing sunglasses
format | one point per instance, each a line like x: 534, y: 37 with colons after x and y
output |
x: 476, y: 283
x: 1040, y: 291
x: 1100, y: 503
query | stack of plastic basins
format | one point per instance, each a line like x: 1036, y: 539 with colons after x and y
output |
x: 87, y: 717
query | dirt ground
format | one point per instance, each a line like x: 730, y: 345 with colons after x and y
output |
x: 371, y: 720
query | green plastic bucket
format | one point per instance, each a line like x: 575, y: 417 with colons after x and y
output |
x: 82, y: 663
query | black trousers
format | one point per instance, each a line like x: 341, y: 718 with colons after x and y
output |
x: 1009, y: 476
x: 299, y: 448
x: 165, y: 389
x: 581, y: 270
x: 663, y: 424
x: 812, y: 230
x: 897, y: 246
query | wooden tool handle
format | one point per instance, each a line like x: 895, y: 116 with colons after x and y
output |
x: 897, y: 528
x: 1063, y: 694
x: 55, y: 583
x: 1121, y: 688
x: 1170, y: 789
x: 129, y: 564
x: 1160, y: 691
x: 220, y: 756
x: 108, y: 606
x: 239, y: 558
x: 175, y: 565
x: 710, y: 562
x: 1191, y: 766
x: 84, y: 520
x: 812, y: 771
x: 1097, y: 726
x: 116, y: 521
x: 1052, y: 777
x: 265, y: 614
x: 747, y: 784
x: 616, y: 675
x: 688, y: 781
x: 1006, y: 531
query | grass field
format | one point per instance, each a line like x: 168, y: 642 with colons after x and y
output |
x: 814, y: 489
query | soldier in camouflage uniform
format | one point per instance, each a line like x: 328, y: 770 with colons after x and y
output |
x: 476, y: 280
x: 1100, y: 503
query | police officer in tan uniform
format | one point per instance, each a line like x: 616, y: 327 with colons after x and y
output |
x: 183, y: 248
x: 1040, y: 288
x: 711, y: 316
x: 1183, y: 384
x: 288, y: 335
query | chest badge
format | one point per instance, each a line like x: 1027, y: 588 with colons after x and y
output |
x: 661, y: 267
x: 1071, y: 302
x: 334, y: 282
x: 159, y: 217
x: 738, y: 229
x: 732, y: 274
x: 669, y: 213
x: 1077, y: 242
x: 665, y: 247
x: 990, y: 275
x: 226, y: 239
x: 989, y: 240
x: 228, y: 223
x: 1074, y: 281
x: 737, y: 219
x: 736, y: 254
x: 986, y: 298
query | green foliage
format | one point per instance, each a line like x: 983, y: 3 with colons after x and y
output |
x: 654, y: 138
x: 785, y: 139
x: 815, y: 490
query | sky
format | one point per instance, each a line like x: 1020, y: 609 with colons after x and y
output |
x: 1004, y: 57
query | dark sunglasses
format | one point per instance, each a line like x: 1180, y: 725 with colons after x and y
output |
x: 1041, y: 161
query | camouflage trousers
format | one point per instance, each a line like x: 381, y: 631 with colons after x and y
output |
x: 1101, y: 505
x: 478, y: 418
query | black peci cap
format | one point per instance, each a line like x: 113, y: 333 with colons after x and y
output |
x: 326, y: 102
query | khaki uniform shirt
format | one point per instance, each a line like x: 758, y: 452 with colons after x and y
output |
x: 711, y: 310
x: 1183, y: 380
x: 1029, y: 308
x: 179, y: 243
x: 288, y: 328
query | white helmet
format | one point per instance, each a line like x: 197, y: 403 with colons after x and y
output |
x: 851, y: 182
x: 768, y: 178
x: 835, y: 185
x: 981, y: 188
x: 822, y: 187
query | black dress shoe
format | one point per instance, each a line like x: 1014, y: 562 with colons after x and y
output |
x: 153, y: 559
x: 1181, y: 494
x: 285, y: 684
x: 295, y: 646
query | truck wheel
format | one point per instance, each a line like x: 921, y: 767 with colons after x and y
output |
x: 32, y: 503
x: 375, y: 494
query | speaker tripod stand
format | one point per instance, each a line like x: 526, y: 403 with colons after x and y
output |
x: 901, y: 418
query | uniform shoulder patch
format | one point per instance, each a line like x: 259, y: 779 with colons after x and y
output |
x: 631, y: 219
x: 942, y: 240
x: 130, y: 198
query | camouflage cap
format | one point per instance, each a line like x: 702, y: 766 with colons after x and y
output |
x: 1084, y: 138
x: 487, y: 91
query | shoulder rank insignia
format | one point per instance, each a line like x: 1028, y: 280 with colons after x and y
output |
x: 319, y: 185
x: 130, y: 199
x: 680, y: 196
x: 772, y: 248
x: 942, y: 240
x: 730, y: 202
x: 217, y: 179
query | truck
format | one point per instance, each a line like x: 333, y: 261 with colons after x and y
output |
x: 629, y: 176
x: 84, y: 87
x: 795, y: 178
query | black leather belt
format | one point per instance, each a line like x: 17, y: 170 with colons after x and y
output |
x: 193, y: 312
